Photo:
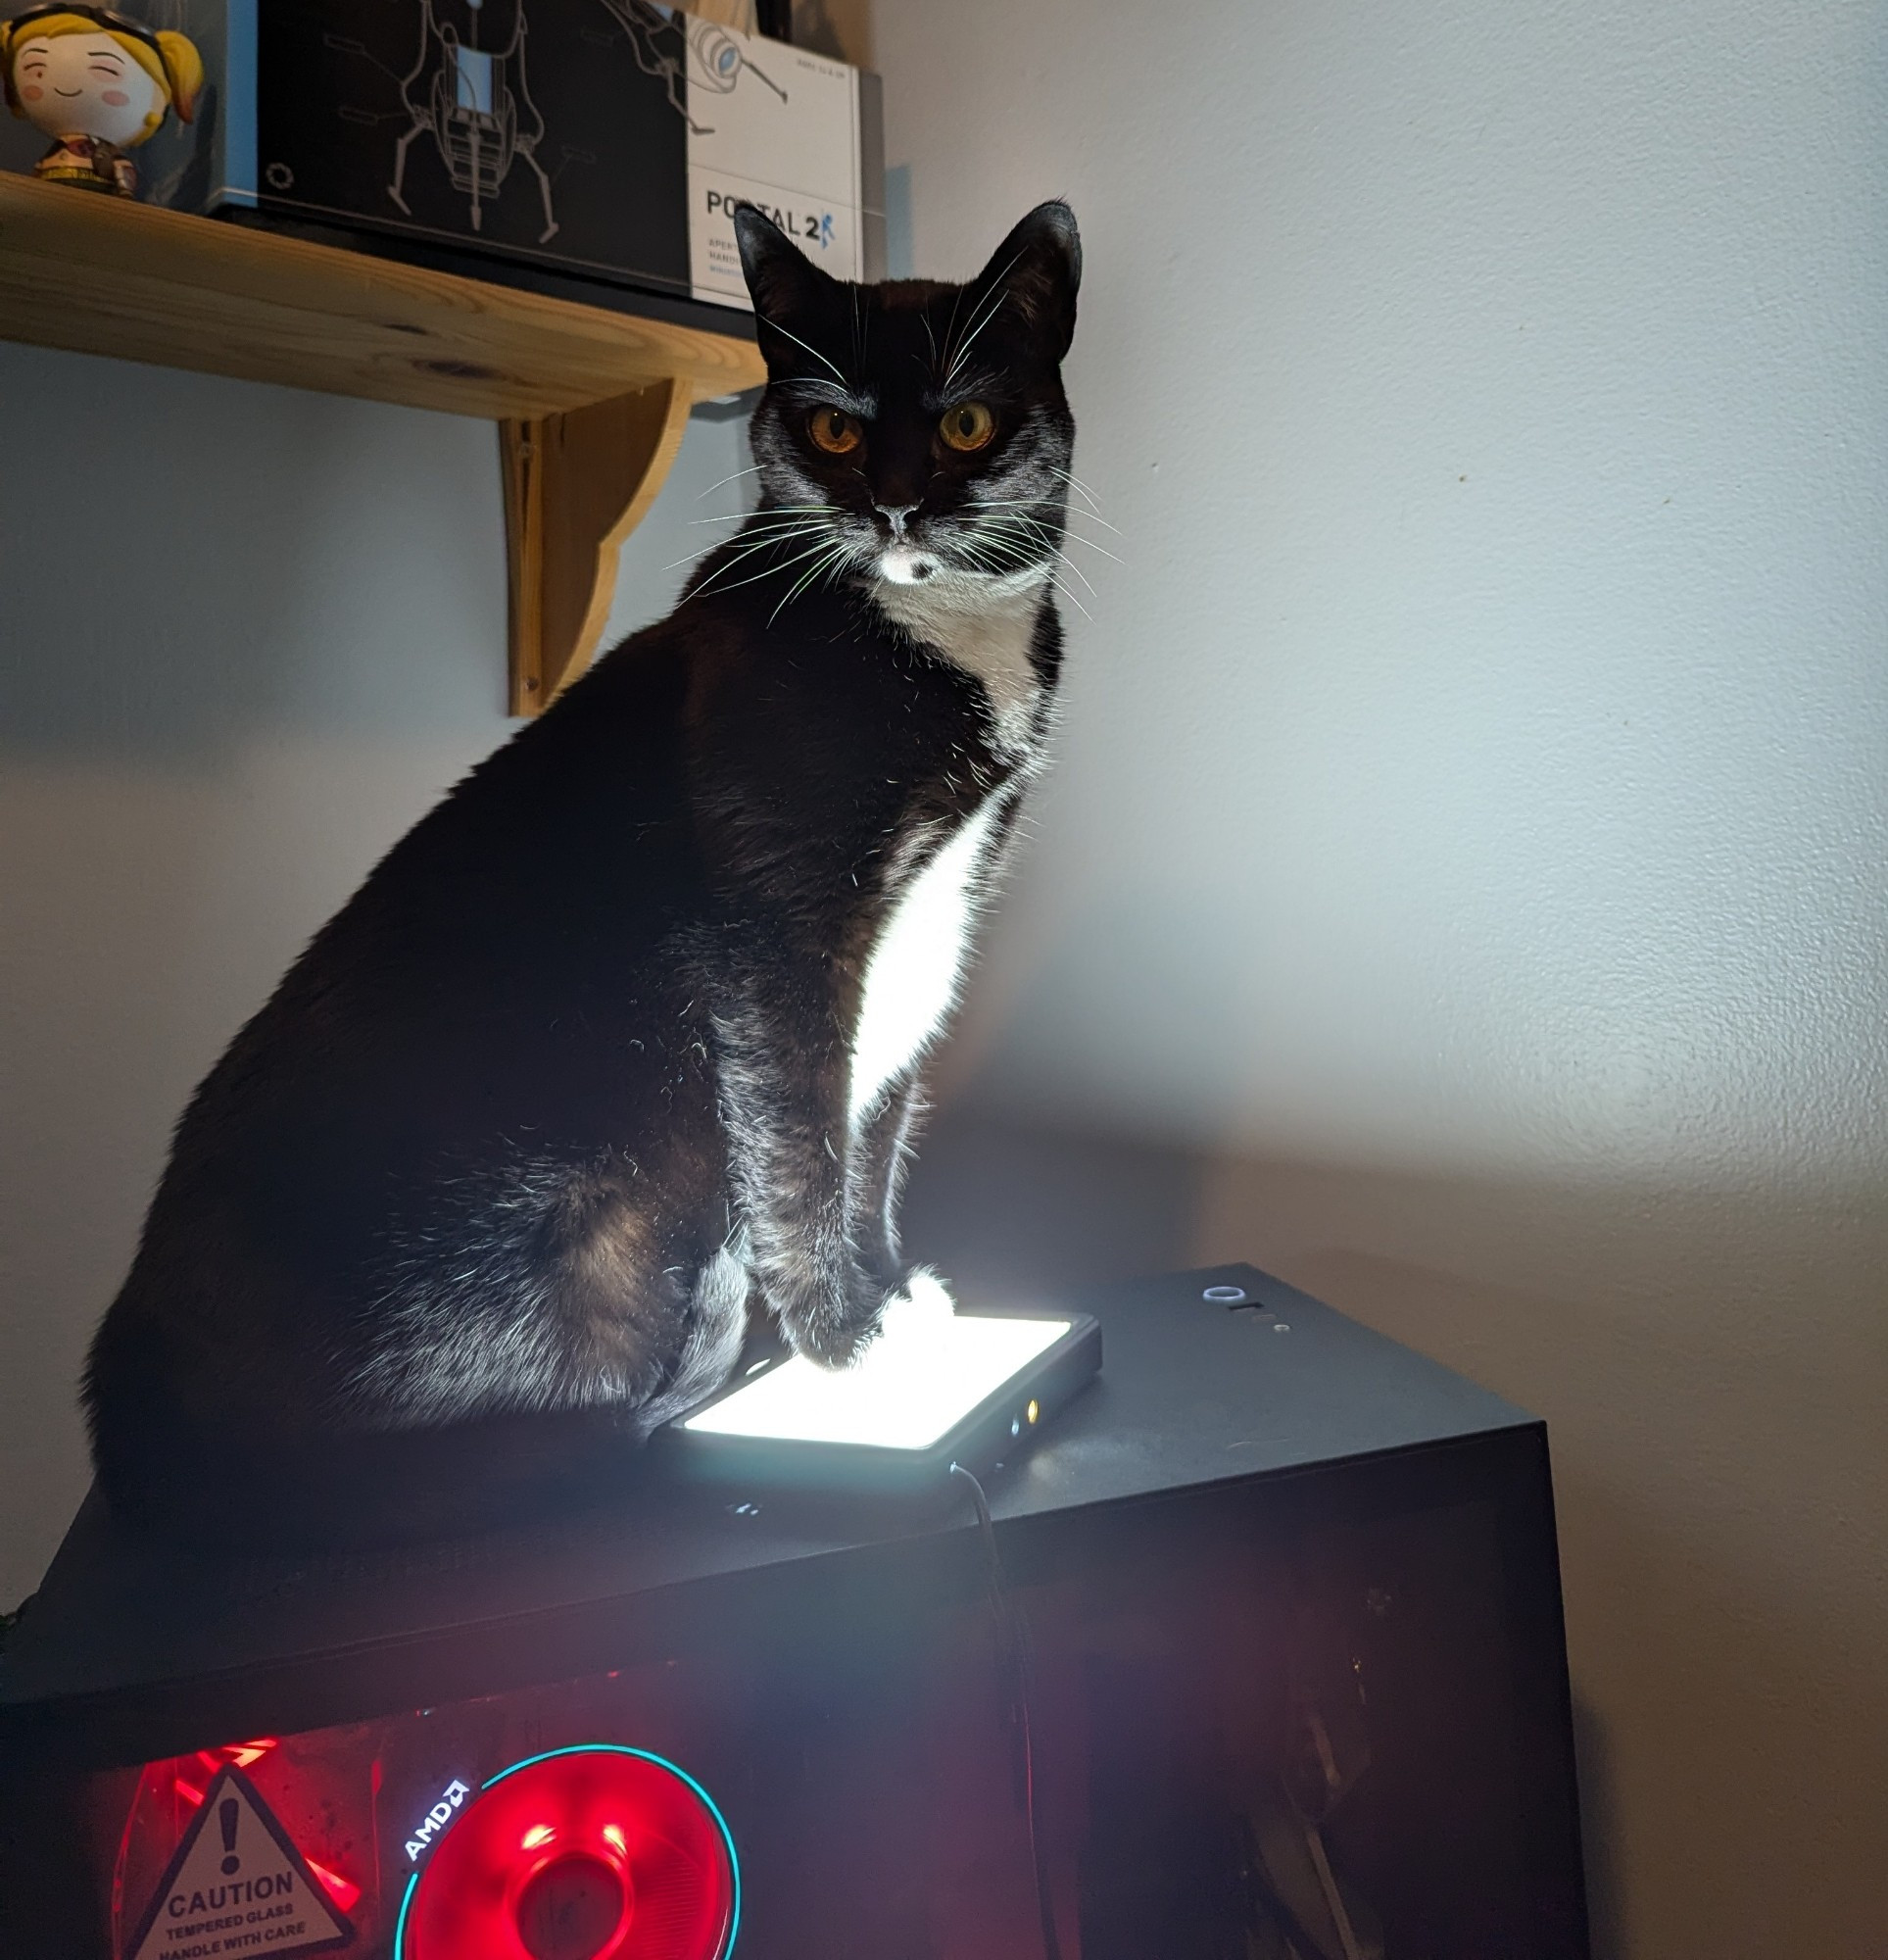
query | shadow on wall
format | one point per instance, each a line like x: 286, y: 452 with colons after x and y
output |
x: 190, y: 560
x: 1002, y: 1207
x: 1599, y: 1831
x: 1711, y: 1370
x: 193, y: 562
x: 840, y: 28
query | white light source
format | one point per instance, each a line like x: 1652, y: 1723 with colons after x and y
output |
x: 923, y: 1375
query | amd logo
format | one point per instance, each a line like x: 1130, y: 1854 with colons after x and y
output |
x: 436, y: 1820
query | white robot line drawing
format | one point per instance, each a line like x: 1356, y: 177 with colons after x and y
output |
x: 709, y: 58
x: 646, y: 30
x: 720, y: 61
x: 475, y: 103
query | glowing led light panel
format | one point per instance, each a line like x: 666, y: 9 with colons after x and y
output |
x: 922, y: 1376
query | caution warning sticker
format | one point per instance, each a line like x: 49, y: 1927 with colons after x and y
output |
x: 236, y: 1886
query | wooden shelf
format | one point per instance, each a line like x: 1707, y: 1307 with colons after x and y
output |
x: 103, y: 276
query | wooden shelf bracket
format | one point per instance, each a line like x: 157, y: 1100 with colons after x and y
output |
x: 576, y: 484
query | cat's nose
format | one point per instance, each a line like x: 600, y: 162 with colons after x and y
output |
x: 896, y: 515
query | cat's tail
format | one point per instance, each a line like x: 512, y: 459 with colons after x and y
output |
x: 241, y: 1448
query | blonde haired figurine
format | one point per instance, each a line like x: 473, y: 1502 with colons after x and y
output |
x: 98, y: 84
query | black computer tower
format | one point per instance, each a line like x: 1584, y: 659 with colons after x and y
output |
x: 1262, y: 1658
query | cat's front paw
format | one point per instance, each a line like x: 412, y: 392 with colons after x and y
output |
x: 918, y: 1307
x: 834, y: 1344
x: 908, y: 1313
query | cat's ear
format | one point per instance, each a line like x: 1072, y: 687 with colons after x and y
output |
x: 1040, y: 267
x: 795, y: 302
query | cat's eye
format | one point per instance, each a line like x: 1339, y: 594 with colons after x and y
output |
x: 835, y: 432
x: 967, y: 427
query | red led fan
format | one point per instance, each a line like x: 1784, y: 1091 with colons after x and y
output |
x: 591, y: 1853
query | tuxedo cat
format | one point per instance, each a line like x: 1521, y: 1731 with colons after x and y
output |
x: 625, y: 1036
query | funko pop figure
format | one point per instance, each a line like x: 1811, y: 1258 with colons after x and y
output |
x: 98, y: 83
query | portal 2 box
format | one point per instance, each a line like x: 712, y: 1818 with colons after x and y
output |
x: 604, y: 140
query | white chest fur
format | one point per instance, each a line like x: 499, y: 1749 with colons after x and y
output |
x: 912, y: 976
x: 984, y: 626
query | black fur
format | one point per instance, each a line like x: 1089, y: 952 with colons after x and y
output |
x: 485, y: 1190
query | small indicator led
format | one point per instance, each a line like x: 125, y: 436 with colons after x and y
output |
x: 1035, y: 1410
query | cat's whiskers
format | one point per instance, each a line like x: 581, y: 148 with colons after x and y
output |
x: 739, y: 550
x: 726, y: 481
x: 775, y: 541
x: 834, y: 556
x: 1067, y: 535
x: 1002, y: 557
x: 750, y: 532
x: 767, y: 570
x: 1019, y: 550
x: 760, y: 514
x: 988, y: 554
x: 1001, y: 533
x: 1087, y: 495
x: 783, y: 521
x: 982, y: 544
x: 992, y: 303
x: 797, y: 342
x: 1076, y: 538
x: 1021, y: 521
x: 951, y: 326
x: 752, y: 535
x: 1070, y: 513
x: 995, y: 566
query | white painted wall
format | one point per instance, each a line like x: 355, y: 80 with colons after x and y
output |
x: 1469, y: 836
x: 1491, y: 400
x: 247, y: 635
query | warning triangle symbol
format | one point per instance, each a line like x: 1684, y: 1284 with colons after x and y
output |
x: 236, y: 1886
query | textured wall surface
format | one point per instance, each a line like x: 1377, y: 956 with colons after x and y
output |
x: 247, y: 635
x: 1492, y: 401
x: 1463, y: 882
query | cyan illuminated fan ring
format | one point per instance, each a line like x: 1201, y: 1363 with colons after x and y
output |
x: 408, y: 1941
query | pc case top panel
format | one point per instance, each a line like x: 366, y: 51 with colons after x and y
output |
x: 1195, y: 1390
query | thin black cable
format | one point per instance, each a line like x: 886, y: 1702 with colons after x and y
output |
x: 1012, y: 1631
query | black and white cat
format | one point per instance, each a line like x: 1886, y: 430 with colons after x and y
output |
x: 626, y: 1034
